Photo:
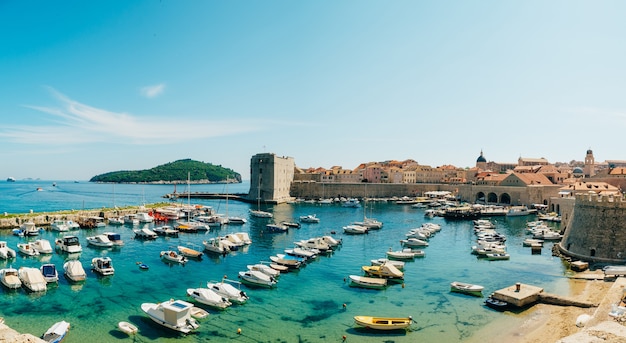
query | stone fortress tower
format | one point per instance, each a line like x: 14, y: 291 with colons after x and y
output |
x: 596, y: 231
x: 270, y: 178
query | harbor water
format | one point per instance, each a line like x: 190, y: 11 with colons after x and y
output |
x: 313, y: 304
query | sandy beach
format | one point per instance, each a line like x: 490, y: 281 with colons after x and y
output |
x: 550, y: 323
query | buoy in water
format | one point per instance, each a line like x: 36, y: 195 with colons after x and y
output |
x: 239, y: 331
x: 345, y: 306
x: 343, y: 338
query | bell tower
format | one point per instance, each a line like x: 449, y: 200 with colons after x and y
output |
x: 589, y: 164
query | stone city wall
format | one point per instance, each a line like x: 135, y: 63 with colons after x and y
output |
x: 597, y: 229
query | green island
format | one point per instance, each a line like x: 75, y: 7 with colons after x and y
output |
x: 180, y: 171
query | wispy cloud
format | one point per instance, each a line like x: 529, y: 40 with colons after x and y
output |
x: 153, y: 91
x: 74, y: 123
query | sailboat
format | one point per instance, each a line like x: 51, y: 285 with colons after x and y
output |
x: 232, y: 220
x: 370, y: 223
x: 258, y: 213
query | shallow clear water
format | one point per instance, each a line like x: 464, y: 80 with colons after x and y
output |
x: 307, y: 305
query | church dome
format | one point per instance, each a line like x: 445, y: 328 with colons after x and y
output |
x: 578, y: 170
x: 481, y: 158
x: 589, y: 152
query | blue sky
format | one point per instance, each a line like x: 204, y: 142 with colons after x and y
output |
x: 90, y: 87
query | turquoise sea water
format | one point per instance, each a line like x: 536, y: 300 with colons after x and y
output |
x: 307, y: 305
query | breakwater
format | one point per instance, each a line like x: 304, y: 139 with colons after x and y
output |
x: 46, y: 218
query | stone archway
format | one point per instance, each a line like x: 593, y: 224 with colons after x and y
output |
x: 505, y: 198
x: 480, y: 197
x: 492, y: 198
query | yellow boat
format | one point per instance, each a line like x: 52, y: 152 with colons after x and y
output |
x: 385, y: 270
x: 383, y: 323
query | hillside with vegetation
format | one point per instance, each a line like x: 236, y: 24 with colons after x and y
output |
x: 173, y: 172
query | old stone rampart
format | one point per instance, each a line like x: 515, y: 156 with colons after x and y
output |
x: 597, y: 229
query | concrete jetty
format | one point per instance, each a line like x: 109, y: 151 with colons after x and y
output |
x: 522, y: 295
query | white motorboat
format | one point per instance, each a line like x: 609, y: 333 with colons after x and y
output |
x: 102, y: 265
x: 405, y: 254
x: 256, y: 278
x: 5, y: 251
x: 217, y: 245
x: 497, y: 256
x: 69, y: 244
x: 57, y: 332
x: 32, y: 279
x: 530, y: 241
x: 236, y: 221
x: 144, y: 217
x: 172, y: 314
x: 518, y: 211
x: 115, y: 238
x: 209, y: 297
x: 289, y: 263
x: 116, y: 221
x: 235, y: 240
x: 367, y: 282
x: 352, y: 202
x: 264, y: 268
x: 395, y: 263
x: 29, y: 229
x: 49, y: 272
x: 131, y: 219
x: 304, y: 253
x: 145, y: 233
x: 42, y: 246
x: 370, y: 223
x: 314, y: 243
x: 127, y: 328
x: 199, y: 313
x: 9, y: 277
x: 466, y: 288
x: 166, y: 230
x: 331, y: 241
x: 226, y: 289
x: 309, y: 218
x: 244, y: 237
x: 172, y: 256
x: 27, y: 249
x: 72, y: 225
x: 74, y: 271
x: 100, y: 241
x: 355, y: 229
x: 59, y: 225
x: 413, y: 243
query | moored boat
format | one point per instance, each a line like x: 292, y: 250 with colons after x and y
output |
x: 10, y: 278
x: 145, y: 233
x: 127, y: 328
x: 100, y: 241
x: 102, y: 265
x: 56, y: 332
x: 74, y: 271
x: 42, y: 246
x: 208, y: 297
x: 27, y: 249
x: 466, y: 288
x: 172, y: 314
x: 226, y: 289
x: 256, y: 278
x: 383, y: 323
x: 405, y: 254
x: 367, y: 282
x: 173, y: 256
x: 49, y: 272
x: 32, y: 279
x: 386, y: 271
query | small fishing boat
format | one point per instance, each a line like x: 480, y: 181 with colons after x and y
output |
x: 127, y: 328
x: 291, y: 264
x: 497, y: 256
x: 367, y: 282
x: 32, y: 279
x: 264, y: 268
x: 355, y: 229
x: 405, y: 254
x: 56, y: 332
x: 189, y: 252
x: 145, y: 233
x: 291, y: 224
x: 496, y: 304
x: 383, y: 323
x: 27, y: 249
x: 386, y: 271
x: 466, y: 288
x: 199, y: 313
x: 173, y: 256
x: 309, y: 218
x: 100, y: 241
x: 276, y: 228
x: 395, y: 263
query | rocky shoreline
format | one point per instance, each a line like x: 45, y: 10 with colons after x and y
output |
x: 9, y: 335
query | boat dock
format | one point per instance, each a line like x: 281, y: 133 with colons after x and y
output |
x: 522, y: 295
x: 199, y: 195
x: 519, y: 295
